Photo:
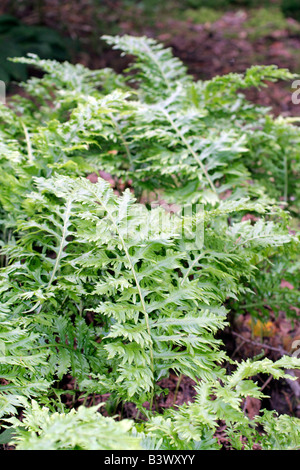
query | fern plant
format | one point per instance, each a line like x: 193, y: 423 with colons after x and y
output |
x: 84, y: 429
x: 116, y: 287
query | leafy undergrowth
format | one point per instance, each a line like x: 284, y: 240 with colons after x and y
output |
x: 142, y: 216
x: 228, y: 37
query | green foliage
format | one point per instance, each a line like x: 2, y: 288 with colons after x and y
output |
x: 118, y: 286
x: 206, y: 3
x: 201, y: 15
x: 290, y: 8
x: 17, y: 39
x: 279, y: 433
x: 263, y: 21
x: 221, y: 4
x: 22, y: 363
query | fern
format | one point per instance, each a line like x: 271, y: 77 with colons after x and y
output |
x: 147, y: 337
x: 195, y: 423
x: 21, y: 365
x: 117, y: 287
x: 84, y: 429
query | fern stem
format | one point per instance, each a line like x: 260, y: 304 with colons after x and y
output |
x: 190, y: 149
